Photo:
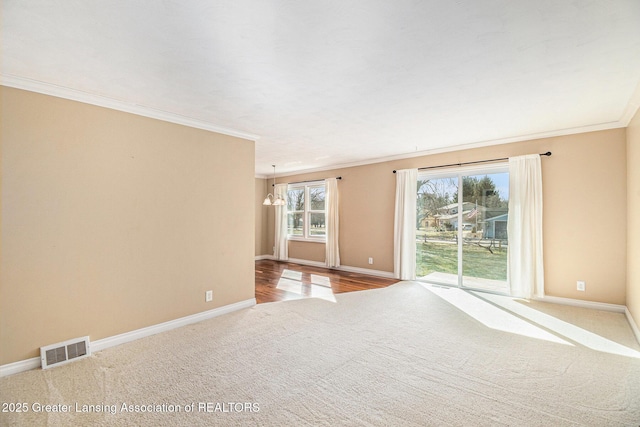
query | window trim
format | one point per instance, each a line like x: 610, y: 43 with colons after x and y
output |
x: 306, y: 213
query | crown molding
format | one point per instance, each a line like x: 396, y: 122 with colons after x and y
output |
x: 76, y: 95
x: 119, y: 105
x: 632, y: 107
x: 529, y: 137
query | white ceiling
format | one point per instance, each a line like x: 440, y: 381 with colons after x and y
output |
x: 332, y: 82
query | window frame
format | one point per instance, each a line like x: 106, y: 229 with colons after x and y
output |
x: 306, y: 212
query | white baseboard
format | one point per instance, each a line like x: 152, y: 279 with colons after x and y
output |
x: 550, y: 299
x: 172, y: 324
x: 584, y: 304
x: 25, y: 365
x: 307, y: 262
x: 20, y: 366
x: 370, y: 272
x: 380, y: 273
x: 633, y: 324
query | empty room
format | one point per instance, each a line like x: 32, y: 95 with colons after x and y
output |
x: 320, y: 213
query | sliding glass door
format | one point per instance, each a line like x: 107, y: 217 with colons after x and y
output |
x: 485, y: 199
x: 436, y: 234
x: 461, y: 228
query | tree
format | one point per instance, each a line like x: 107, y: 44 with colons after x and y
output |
x: 432, y: 196
x: 295, y: 199
x: 482, y: 191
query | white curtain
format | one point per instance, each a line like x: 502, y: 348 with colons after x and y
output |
x: 281, y: 245
x: 404, y: 248
x: 524, y: 227
x: 332, y: 252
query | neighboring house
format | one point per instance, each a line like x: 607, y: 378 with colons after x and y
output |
x: 496, y: 227
x: 472, y: 215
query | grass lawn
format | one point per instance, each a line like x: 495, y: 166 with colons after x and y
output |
x: 477, y: 262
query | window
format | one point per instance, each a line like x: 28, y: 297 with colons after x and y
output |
x: 305, y: 211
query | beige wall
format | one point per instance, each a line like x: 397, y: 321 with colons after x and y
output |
x: 584, y: 210
x: 308, y: 251
x: 261, y: 218
x: 633, y: 218
x: 113, y: 222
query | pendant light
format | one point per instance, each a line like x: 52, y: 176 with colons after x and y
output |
x: 271, y: 199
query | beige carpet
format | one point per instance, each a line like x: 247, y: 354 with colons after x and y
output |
x: 399, y: 356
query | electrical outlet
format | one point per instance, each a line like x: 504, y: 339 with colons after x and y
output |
x: 370, y: 260
x: 208, y: 296
x: 581, y: 285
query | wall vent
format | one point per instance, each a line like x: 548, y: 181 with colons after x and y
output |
x: 65, y: 352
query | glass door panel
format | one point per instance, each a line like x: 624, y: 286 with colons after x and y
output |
x: 436, y: 236
x: 482, y: 227
x: 461, y: 228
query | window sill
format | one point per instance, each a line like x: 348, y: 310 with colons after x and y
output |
x: 309, y: 240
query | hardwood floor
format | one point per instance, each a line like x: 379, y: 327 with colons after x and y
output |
x: 282, y: 281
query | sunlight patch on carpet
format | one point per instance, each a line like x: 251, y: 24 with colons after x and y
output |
x: 490, y: 315
x: 571, y: 332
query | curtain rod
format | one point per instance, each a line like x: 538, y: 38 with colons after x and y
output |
x: 311, y: 180
x: 548, y: 153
